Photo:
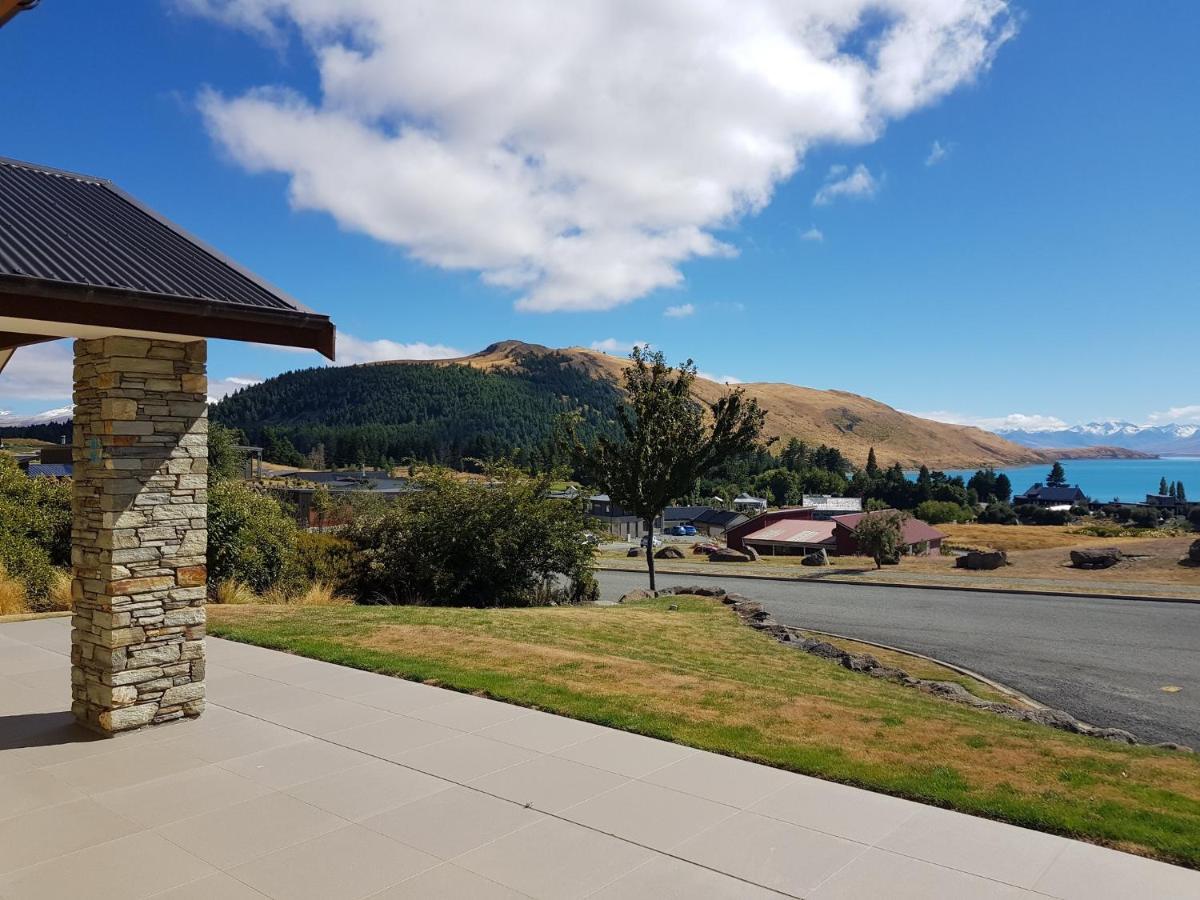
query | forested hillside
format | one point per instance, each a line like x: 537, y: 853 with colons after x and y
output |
x: 390, y: 413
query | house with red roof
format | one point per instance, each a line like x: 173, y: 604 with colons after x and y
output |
x: 918, y: 538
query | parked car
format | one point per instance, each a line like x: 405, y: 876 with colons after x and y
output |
x: 657, y: 540
x: 689, y: 530
x: 676, y: 531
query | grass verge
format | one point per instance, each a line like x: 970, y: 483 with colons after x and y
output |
x: 696, y: 676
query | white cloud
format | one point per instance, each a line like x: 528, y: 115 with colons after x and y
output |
x: 721, y: 379
x: 577, y: 154
x: 219, y: 388
x: 620, y: 348
x: 813, y: 234
x: 352, y: 351
x: 938, y: 153
x: 39, y: 372
x: 1019, y: 421
x: 58, y: 414
x: 682, y: 311
x: 1176, y: 415
x: 859, y: 183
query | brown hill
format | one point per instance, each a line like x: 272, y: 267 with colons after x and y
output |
x: 847, y: 421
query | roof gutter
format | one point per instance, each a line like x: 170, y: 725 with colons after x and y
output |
x: 9, y: 9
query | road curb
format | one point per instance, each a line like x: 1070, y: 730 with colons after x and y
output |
x: 1141, y: 598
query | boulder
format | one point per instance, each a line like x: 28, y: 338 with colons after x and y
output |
x: 1095, y: 557
x: 751, y: 554
x: 1194, y: 553
x: 697, y: 590
x: 704, y: 547
x: 669, y: 552
x: 633, y: 551
x: 977, y: 560
x: 819, y: 558
x: 728, y: 554
x: 638, y: 594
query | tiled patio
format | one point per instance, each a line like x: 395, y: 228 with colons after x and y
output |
x: 305, y: 780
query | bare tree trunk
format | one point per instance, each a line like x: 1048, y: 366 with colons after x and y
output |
x: 650, y: 550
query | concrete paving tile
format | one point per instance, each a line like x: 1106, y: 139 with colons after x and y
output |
x: 234, y: 738
x: 655, y: 816
x: 367, y: 790
x: 978, y: 846
x: 625, y: 754
x: 22, y: 792
x: 465, y: 757
x: 267, y: 702
x: 542, y: 732
x: 878, y: 873
x: 391, y: 738
x: 468, y: 713
x: 49, y: 739
x: 398, y: 696
x: 554, y: 859
x: 548, y: 783
x: 212, y: 887
x: 188, y: 794
x: 449, y: 882
x: 665, y: 878
x: 733, y: 782
x: 28, y: 658
x: 328, y: 715
x: 136, y: 866
x: 132, y: 763
x: 1087, y: 872
x: 837, y: 809
x: 451, y: 822
x: 770, y: 853
x: 350, y: 682
x: 292, y: 764
x: 348, y: 864
x: 54, y: 831
x: 237, y: 834
x: 231, y: 689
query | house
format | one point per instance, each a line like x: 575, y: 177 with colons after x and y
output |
x: 624, y: 525
x: 917, y: 538
x: 826, y: 507
x: 739, y: 535
x: 50, y: 462
x: 747, y: 504
x: 1052, y: 495
x: 1166, y: 502
x: 706, y: 520
x: 793, y: 537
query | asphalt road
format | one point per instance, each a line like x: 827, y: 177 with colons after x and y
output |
x: 1101, y: 659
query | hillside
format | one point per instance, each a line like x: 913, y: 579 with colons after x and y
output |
x: 508, y: 395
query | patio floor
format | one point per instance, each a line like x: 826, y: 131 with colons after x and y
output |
x: 307, y: 780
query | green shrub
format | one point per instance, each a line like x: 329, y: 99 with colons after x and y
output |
x: 250, y: 537
x: 35, y: 528
x: 325, y: 558
x: 935, y: 512
x: 472, y: 543
x: 1194, y: 517
x: 1031, y: 514
x: 997, y: 513
x: 1143, y: 517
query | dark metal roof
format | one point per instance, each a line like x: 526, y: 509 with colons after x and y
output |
x: 50, y: 470
x: 80, y: 237
x: 1049, y: 493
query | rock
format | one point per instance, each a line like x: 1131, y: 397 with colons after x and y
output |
x: 819, y: 558
x: 704, y: 547
x: 673, y: 607
x: 728, y: 554
x: 1095, y: 557
x: 639, y: 594
x: 633, y: 551
x: 669, y: 552
x: 696, y: 590
x: 1194, y: 552
x: 977, y: 560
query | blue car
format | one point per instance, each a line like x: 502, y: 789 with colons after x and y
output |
x: 682, y: 531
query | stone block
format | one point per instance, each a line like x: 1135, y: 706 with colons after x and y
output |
x: 183, y: 693
x: 127, y: 717
x: 188, y: 615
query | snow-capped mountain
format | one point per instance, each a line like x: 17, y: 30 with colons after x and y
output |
x: 61, y: 414
x: 1164, y: 440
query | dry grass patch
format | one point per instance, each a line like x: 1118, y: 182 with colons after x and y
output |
x: 12, y: 595
x: 1022, y: 537
x: 696, y: 676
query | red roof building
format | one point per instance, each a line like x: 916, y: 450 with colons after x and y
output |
x: 914, y: 534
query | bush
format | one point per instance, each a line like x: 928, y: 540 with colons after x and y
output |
x: 879, y: 536
x: 1030, y: 514
x: 1143, y: 517
x: 35, y: 528
x: 998, y: 514
x: 323, y: 558
x: 1194, y: 517
x: 250, y: 538
x: 471, y: 543
x: 936, y: 512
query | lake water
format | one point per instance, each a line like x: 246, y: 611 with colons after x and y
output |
x: 1106, y: 479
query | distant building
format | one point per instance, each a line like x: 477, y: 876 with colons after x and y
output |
x: 825, y: 506
x: 746, y: 532
x: 706, y: 520
x: 917, y: 538
x: 747, y: 504
x: 1173, y: 505
x: 1049, y: 495
x: 49, y: 462
x: 625, y: 526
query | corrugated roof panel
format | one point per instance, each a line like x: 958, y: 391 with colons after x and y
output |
x: 73, y: 229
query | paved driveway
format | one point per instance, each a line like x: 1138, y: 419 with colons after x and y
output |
x: 307, y: 781
x: 1101, y: 659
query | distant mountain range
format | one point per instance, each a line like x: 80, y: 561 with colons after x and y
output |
x: 1159, y: 440
x: 62, y: 414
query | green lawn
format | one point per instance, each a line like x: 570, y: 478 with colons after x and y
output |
x: 698, y: 677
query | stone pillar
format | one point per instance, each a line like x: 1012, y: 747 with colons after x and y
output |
x: 140, y: 532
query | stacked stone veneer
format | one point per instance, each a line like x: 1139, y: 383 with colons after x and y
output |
x: 140, y: 532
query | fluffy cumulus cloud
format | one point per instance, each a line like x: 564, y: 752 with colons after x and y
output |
x: 1176, y: 415
x: 682, y: 311
x: 577, y: 154
x: 856, y: 183
x: 1010, y: 422
x: 39, y: 372
x: 351, y: 350
x: 219, y: 388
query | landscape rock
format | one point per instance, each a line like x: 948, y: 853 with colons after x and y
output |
x: 669, y: 552
x: 1194, y: 553
x: 633, y: 551
x: 727, y: 554
x: 696, y: 590
x: 1095, y: 557
x: 982, y: 560
x: 820, y: 558
x: 639, y: 594
x: 704, y: 547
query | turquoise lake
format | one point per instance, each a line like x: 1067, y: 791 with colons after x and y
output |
x: 1108, y: 479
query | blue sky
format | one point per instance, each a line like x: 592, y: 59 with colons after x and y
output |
x: 1042, y: 262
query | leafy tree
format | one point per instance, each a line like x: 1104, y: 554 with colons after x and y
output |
x: 1003, y: 488
x: 1057, y: 476
x: 998, y: 513
x: 500, y: 542
x: 35, y: 527
x: 880, y: 535
x: 935, y: 512
x: 250, y: 537
x: 224, y: 462
x: 667, y: 441
x: 1194, y: 517
x: 278, y: 448
x: 1143, y: 517
x: 1162, y: 485
x: 872, y: 468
